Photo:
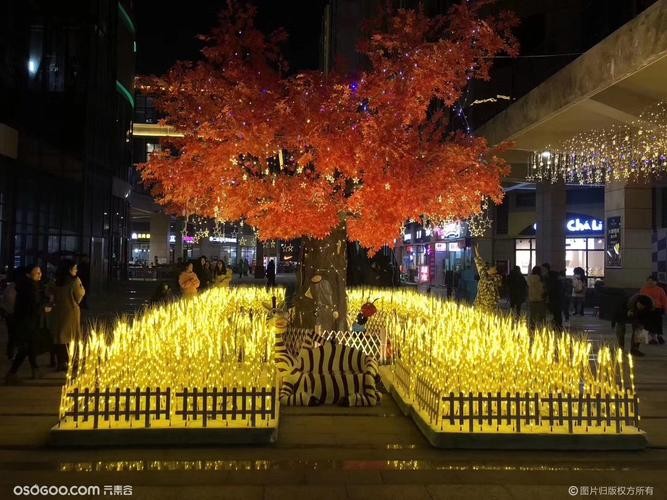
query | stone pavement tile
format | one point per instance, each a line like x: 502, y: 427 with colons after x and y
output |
x: 288, y: 438
x: 653, y: 404
x: 472, y: 492
x: 389, y: 492
x: 31, y: 399
x: 656, y: 431
x: 284, y: 476
x: 28, y: 431
x: 338, y: 476
x: 199, y: 493
x: 307, y: 492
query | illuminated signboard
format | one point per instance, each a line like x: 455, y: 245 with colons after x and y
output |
x: 141, y: 236
x: 578, y: 225
x: 440, y: 247
x: 450, y: 230
x: 221, y: 239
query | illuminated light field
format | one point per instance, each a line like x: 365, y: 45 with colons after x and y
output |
x: 461, y: 370
x: 453, y: 362
x: 209, y: 341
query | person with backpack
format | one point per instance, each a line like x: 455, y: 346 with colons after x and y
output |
x: 578, y: 291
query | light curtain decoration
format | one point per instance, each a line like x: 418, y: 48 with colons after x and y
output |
x: 630, y: 152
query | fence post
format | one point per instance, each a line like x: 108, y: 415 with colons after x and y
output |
x: 86, y: 393
x: 252, y: 408
x: 76, y: 406
x: 147, y: 410
x: 96, y: 414
x: 205, y: 406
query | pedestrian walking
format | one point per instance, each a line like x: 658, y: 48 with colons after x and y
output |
x: 578, y: 291
x: 566, y: 298
x: 488, y: 292
x: 68, y: 293
x: 163, y: 294
x: 7, y: 310
x: 202, y: 270
x: 517, y: 290
x: 31, y: 304
x: 219, y: 273
x: 188, y: 281
x: 659, y: 298
x: 537, y: 311
x: 637, y: 311
x: 554, y: 292
x: 271, y: 274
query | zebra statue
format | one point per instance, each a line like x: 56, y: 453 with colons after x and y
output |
x: 324, y: 374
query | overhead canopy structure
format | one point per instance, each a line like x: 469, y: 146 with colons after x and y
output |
x: 610, y: 84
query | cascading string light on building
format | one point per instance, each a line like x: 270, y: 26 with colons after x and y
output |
x: 635, y: 151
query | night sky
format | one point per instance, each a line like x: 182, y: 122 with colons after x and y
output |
x: 166, y: 33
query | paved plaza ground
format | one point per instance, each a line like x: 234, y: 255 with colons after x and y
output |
x: 325, y: 452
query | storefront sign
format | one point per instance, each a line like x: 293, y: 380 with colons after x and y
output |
x: 407, y: 236
x: 613, y: 255
x: 423, y: 274
x: 172, y: 238
x: 579, y: 225
x: 141, y: 236
x: 189, y: 240
x: 440, y: 247
x: 450, y: 230
x: 221, y: 239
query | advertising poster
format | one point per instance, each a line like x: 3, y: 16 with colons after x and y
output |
x: 613, y: 254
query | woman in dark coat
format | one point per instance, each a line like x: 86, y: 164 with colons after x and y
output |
x: 518, y: 290
x: 31, y: 304
x: 66, y: 316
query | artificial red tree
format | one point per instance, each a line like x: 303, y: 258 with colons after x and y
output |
x: 328, y: 156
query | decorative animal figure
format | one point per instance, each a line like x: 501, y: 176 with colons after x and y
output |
x: 326, y: 374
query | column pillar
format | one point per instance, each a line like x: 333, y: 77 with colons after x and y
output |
x: 159, y: 245
x: 178, y: 245
x: 550, y: 234
x: 633, y: 203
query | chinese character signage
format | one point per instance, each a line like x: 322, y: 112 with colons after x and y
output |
x: 613, y: 258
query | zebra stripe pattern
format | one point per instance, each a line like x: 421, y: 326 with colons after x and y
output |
x: 331, y: 374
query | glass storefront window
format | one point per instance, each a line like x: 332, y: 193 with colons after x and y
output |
x: 524, y: 244
x: 575, y: 244
x: 587, y: 253
x: 525, y: 255
x: 595, y: 243
x: 595, y: 266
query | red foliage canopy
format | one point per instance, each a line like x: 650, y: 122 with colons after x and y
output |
x: 295, y: 155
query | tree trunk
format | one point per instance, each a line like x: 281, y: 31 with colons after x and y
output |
x: 259, y: 259
x: 320, y: 294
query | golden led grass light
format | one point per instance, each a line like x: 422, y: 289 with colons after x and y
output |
x: 443, y: 350
x: 439, y: 350
x: 218, y: 339
x: 629, y: 152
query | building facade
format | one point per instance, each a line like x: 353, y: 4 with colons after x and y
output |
x: 66, y: 105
